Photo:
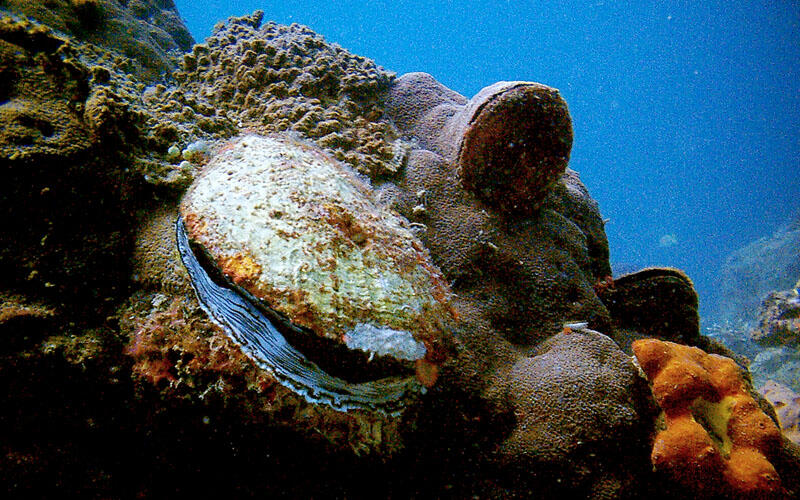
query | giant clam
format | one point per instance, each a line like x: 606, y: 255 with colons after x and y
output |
x: 332, y: 293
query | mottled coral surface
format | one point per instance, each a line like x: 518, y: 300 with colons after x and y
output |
x: 267, y: 78
x: 149, y: 32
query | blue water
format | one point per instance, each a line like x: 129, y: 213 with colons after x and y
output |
x: 686, y: 114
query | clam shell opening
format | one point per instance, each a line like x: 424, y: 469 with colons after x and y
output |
x: 288, y: 251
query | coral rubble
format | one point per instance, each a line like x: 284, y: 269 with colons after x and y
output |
x: 779, y: 319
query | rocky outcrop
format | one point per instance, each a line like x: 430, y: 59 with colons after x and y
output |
x: 768, y: 264
x: 149, y: 33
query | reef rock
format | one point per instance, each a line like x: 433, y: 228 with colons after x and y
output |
x: 779, y: 319
x: 149, y: 32
x: 752, y: 272
x: 577, y: 397
x: 523, y: 245
x: 781, y: 364
x: 787, y: 406
x: 68, y: 197
x: 654, y: 302
x: 271, y: 78
x: 777, y: 334
x: 469, y: 265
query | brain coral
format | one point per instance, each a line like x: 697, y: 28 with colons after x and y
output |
x: 717, y: 441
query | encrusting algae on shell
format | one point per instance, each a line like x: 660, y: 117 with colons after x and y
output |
x: 288, y: 250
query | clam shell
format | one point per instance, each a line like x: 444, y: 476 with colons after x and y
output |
x: 297, y: 235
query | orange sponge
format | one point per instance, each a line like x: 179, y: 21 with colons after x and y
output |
x: 717, y: 440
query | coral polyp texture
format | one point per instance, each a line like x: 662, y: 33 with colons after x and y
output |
x: 523, y: 245
x: 273, y: 78
x: 149, y: 32
x: 515, y: 145
x: 68, y: 188
x: 717, y: 441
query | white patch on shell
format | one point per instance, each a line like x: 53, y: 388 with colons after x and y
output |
x: 384, y: 341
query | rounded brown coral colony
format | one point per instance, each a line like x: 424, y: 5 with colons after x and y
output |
x: 516, y: 146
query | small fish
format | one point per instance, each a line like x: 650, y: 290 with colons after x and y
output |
x: 668, y: 240
x: 574, y: 326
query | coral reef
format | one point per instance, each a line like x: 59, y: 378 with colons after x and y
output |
x: 177, y: 350
x: 777, y: 335
x: 18, y: 317
x: 44, y: 87
x: 519, y: 271
x: 156, y: 264
x: 761, y: 267
x: 474, y: 245
x: 148, y: 32
x: 779, y: 319
x: 654, y: 302
x: 119, y: 383
x: 275, y: 78
x: 787, y: 406
x: 576, y: 398
x: 781, y: 364
x: 515, y: 140
x: 717, y: 441
x: 69, y: 191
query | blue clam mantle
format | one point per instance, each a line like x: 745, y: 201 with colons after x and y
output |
x: 253, y: 326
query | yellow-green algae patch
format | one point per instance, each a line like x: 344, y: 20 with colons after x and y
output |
x: 304, y: 234
x: 714, y: 417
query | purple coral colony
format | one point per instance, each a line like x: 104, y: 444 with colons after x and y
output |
x: 282, y: 270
